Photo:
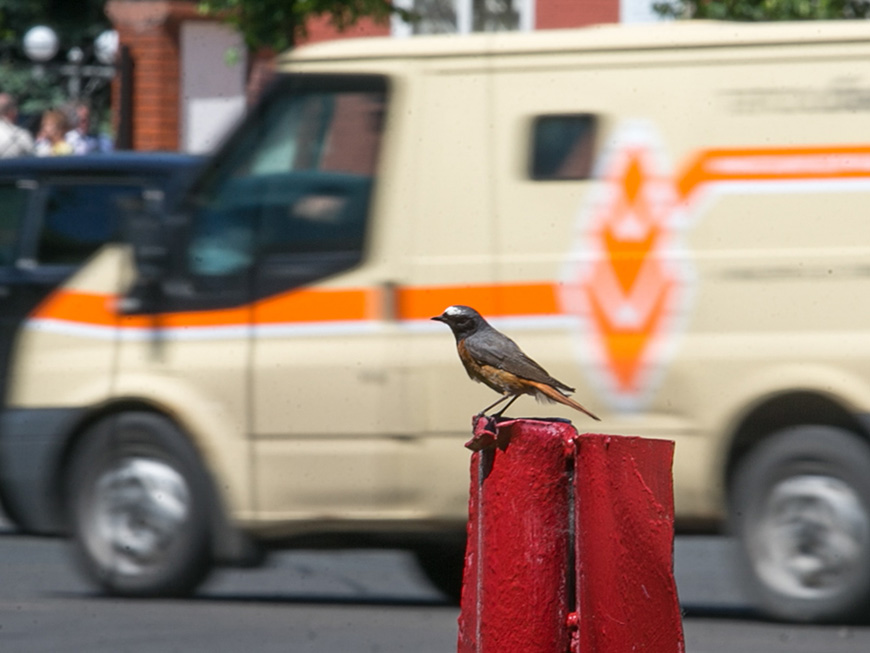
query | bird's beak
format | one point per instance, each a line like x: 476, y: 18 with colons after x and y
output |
x: 439, y: 318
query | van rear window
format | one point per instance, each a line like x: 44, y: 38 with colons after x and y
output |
x: 562, y: 147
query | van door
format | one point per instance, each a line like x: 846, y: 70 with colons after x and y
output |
x: 303, y: 175
x: 322, y: 394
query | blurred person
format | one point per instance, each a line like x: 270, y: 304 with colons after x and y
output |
x: 81, y: 138
x: 51, y: 139
x: 14, y: 140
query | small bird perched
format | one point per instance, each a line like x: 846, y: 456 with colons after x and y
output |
x: 492, y: 358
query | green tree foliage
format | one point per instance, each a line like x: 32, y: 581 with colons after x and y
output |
x: 757, y: 10
x: 279, y: 24
x: 35, y: 91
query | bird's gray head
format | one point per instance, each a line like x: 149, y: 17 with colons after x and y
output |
x: 463, y: 320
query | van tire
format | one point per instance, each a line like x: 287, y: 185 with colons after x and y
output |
x: 139, y: 506
x: 800, y: 506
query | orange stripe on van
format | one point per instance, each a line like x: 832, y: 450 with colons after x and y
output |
x: 317, y: 305
x: 313, y: 305
x: 298, y: 306
x: 492, y: 300
x: 774, y: 164
x: 86, y: 308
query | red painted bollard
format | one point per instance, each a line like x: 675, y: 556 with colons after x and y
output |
x: 515, y: 586
x: 624, y: 542
x: 570, y: 543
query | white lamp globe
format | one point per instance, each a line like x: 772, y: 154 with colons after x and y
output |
x: 106, y: 46
x: 40, y: 43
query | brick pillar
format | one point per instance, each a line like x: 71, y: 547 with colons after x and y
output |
x: 150, y: 29
x: 554, y: 14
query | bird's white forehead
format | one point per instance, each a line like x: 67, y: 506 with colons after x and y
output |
x: 453, y: 310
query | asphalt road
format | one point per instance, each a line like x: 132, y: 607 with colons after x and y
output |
x: 356, y: 601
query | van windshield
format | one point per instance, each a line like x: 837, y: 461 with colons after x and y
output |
x: 296, y: 180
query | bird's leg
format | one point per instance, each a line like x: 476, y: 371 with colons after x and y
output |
x: 496, y: 403
x: 497, y: 415
x: 504, y: 408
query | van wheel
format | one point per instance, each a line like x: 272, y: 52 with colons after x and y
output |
x: 800, y: 505
x: 139, y: 503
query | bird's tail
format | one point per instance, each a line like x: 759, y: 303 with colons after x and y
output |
x: 554, y: 395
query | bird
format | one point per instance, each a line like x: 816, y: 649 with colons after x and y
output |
x: 491, y: 358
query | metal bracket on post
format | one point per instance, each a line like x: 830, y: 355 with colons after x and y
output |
x: 570, y: 542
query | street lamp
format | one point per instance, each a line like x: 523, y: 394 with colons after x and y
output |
x: 106, y: 47
x: 41, y: 44
x: 86, y: 71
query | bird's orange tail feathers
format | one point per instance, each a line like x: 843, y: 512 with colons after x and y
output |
x: 559, y: 398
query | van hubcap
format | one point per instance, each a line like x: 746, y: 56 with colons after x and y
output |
x: 138, y: 510
x: 811, y: 538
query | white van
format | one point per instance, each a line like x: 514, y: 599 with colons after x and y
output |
x: 673, y: 218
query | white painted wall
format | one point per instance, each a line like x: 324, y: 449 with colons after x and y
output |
x: 212, y: 84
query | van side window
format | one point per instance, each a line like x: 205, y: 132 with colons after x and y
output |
x: 297, y: 182
x: 329, y: 172
x: 78, y: 219
x: 562, y: 147
x: 13, y: 204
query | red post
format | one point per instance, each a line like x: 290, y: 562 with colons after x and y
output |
x: 624, y: 507
x: 515, y: 585
x: 570, y: 543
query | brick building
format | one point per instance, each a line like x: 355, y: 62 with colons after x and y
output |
x: 190, y: 73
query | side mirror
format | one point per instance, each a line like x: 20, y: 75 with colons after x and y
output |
x: 145, y: 231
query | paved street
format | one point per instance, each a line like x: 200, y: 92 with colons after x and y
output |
x: 356, y: 601
x: 305, y: 602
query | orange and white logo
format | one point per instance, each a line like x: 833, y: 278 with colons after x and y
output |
x: 630, y: 279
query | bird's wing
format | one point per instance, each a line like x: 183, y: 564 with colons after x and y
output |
x: 490, y: 347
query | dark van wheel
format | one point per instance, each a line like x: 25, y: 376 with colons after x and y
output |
x: 801, y: 509
x: 139, y: 505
